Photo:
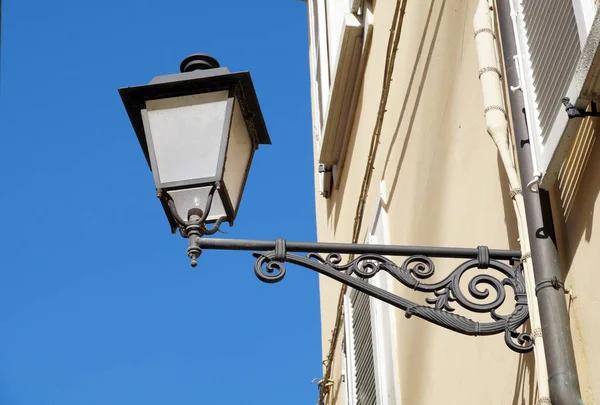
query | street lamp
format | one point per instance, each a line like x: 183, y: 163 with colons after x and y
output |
x: 199, y: 129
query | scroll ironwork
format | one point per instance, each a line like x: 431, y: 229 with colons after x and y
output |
x: 413, y: 273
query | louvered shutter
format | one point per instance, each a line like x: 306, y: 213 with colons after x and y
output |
x: 364, y: 366
x: 551, y: 35
x: 554, y: 49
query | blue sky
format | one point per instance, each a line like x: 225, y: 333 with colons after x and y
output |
x: 98, y: 304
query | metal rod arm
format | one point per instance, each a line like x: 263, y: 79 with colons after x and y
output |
x: 354, y: 248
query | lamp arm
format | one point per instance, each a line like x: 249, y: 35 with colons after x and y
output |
x: 483, y: 293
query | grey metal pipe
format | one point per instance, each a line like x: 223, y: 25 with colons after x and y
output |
x: 560, y: 355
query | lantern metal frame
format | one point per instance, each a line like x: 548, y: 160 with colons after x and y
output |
x: 212, y: 79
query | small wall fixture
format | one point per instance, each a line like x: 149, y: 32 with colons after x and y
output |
x: 199, y: 129
x: 573, y: 112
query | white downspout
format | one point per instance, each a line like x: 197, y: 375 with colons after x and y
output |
x: 497, y: 127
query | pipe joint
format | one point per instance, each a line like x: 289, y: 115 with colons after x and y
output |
x: 490, y: 69
x: 488, y: 30
x: 515, y: 191
x: 495, y: 108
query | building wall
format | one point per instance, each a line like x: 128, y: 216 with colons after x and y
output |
x: 576, y: 208
x: 440, y: 180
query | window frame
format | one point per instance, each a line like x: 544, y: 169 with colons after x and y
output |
x: 383, y: 323
x: 383, y: 319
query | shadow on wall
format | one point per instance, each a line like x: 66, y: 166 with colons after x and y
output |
x: 525, y: 379
x: 579, y: 186
x: 335, y: 207
x: 335, y: 397
x: 413, y: 338
x: 510, y: 218
x: 409, y: 90
x: 334, y: 203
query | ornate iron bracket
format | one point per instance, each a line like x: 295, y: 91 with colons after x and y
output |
x: 417, y: 267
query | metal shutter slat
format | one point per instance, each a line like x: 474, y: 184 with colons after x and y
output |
x: 553, y: 41
x: 363, y: 349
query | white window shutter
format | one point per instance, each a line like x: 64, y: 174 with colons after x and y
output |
x: 364, y: 367
x: 557, y: 59
x: 554, y: 49
x: 370, y: 333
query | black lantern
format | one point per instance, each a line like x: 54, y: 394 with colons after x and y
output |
x: 198, y: 130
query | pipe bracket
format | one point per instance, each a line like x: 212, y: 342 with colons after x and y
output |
x: 519, y: 86
x: 553, y: 282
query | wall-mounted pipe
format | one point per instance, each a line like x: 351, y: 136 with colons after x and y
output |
x: 496, y: 120
x: 563, y: 380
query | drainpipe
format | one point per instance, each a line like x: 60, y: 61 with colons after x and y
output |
x: 496, y: 120
x: 560, y: 355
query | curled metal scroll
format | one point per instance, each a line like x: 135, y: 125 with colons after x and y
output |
x: 270, y: 268
x: 197, y: 226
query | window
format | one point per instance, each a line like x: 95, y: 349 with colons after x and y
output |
x: 556, y: 52
x: 370, y: 330
x: 360, y: 359
x: 339, y: 35
x: 319, y: 63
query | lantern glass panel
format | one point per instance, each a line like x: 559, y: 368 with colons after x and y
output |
x: 186, y: 135
x: 187, y: 199
x: 239, y: 155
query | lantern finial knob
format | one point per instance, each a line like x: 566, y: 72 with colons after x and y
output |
x: 198, y: 61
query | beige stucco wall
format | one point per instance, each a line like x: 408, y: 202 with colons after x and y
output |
x: 445, y: 187
x: 576, y: 209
